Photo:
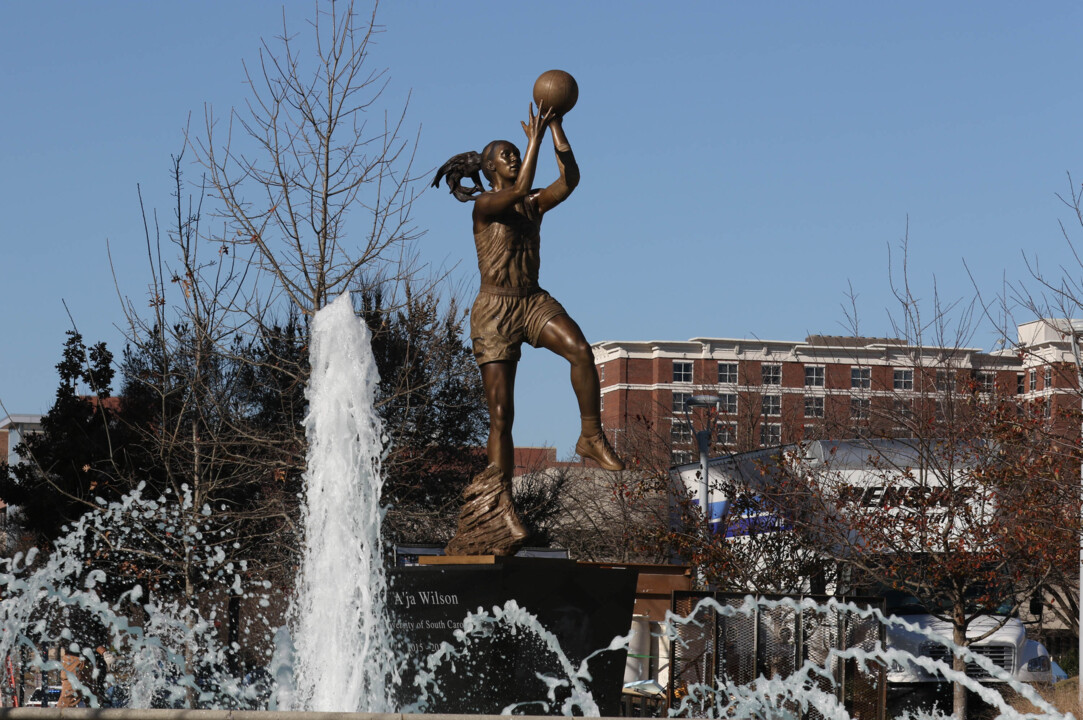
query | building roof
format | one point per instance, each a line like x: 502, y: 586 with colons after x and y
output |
x: 698, y: 346
x: 841, y: 454
x: 1049, y: 330
x: 16, y: 419
x: 854, y: 341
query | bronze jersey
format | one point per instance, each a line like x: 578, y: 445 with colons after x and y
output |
x: 509, y: 248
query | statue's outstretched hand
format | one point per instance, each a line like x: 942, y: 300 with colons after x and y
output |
x: 537, y: 124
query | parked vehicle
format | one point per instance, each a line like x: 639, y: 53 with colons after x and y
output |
x: 45, y: 697
x: 1007, y: 647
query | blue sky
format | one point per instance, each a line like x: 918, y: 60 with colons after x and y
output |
x: 743, y: 163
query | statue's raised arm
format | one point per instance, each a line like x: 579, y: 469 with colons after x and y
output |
x: 563, y: 186
x: 510, y: 176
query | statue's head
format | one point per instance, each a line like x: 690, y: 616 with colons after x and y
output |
x: 500, y: 158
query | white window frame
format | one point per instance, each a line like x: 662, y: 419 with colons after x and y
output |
x: 771, y: 374
x: 817, y: 378
x: 680, y: 457
x: 945, y: 380
x: 727, y: 433
x: 860, y: 377
x: 679, y: 369
x: 725, y: 379
x: 684, y: 397
x: 680, y: 433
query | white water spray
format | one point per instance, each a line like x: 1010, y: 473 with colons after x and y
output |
x: 811, y: 686
x: 478, y: 626
x: 341, y: 636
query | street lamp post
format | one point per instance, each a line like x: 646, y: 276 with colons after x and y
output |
x: 703, y: 444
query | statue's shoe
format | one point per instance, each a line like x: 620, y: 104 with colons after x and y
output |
x: 596, y: 447
x: 517, y: 532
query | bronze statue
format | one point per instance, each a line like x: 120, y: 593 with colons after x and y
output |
x: 510, y: 308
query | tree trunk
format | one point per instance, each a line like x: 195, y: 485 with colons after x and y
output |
x: 190, y: 659
x: 234, y: 615
x: 958, y: 695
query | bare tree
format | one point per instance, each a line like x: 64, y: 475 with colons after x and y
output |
x: 312, y: 180
x: 969, y: 510
x: 597, y: 516
x: 311, y: 173
x: 744, y: 551
x: 215, y: 419
x: 1052, y: 304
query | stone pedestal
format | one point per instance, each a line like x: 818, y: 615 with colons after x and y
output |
x: 584, y: 606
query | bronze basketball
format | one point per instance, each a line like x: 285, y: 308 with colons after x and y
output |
x: 556, y: 89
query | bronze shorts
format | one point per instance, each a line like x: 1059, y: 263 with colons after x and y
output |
x: 502, y: 318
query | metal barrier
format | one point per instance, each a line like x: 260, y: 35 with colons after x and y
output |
x: 774, y: 641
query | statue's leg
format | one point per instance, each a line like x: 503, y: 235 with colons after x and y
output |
x: 488, y: 523
x: 498, y: 379
x: 563, y: 336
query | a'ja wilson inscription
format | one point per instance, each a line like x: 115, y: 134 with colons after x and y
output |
x: 407, y: 600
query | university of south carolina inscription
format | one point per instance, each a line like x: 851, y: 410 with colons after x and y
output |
x: 427, y: 624
x: 427, y: 617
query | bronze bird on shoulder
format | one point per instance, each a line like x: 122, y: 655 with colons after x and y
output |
x: 463, y: 165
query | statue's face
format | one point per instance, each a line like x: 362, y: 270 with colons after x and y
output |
x: 504, y: 161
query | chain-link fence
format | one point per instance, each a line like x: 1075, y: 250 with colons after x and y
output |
x: 722, y: 650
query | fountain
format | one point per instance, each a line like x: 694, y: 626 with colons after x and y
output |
x: 345, y: 645
x: 338, y: 651
x: 343, y: 659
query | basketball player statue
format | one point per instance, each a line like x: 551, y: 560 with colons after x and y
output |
x: 511, y: 307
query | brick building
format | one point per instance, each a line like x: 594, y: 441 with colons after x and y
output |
x: 771, y: 392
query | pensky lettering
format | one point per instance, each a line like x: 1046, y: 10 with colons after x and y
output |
x: 915, y: 497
